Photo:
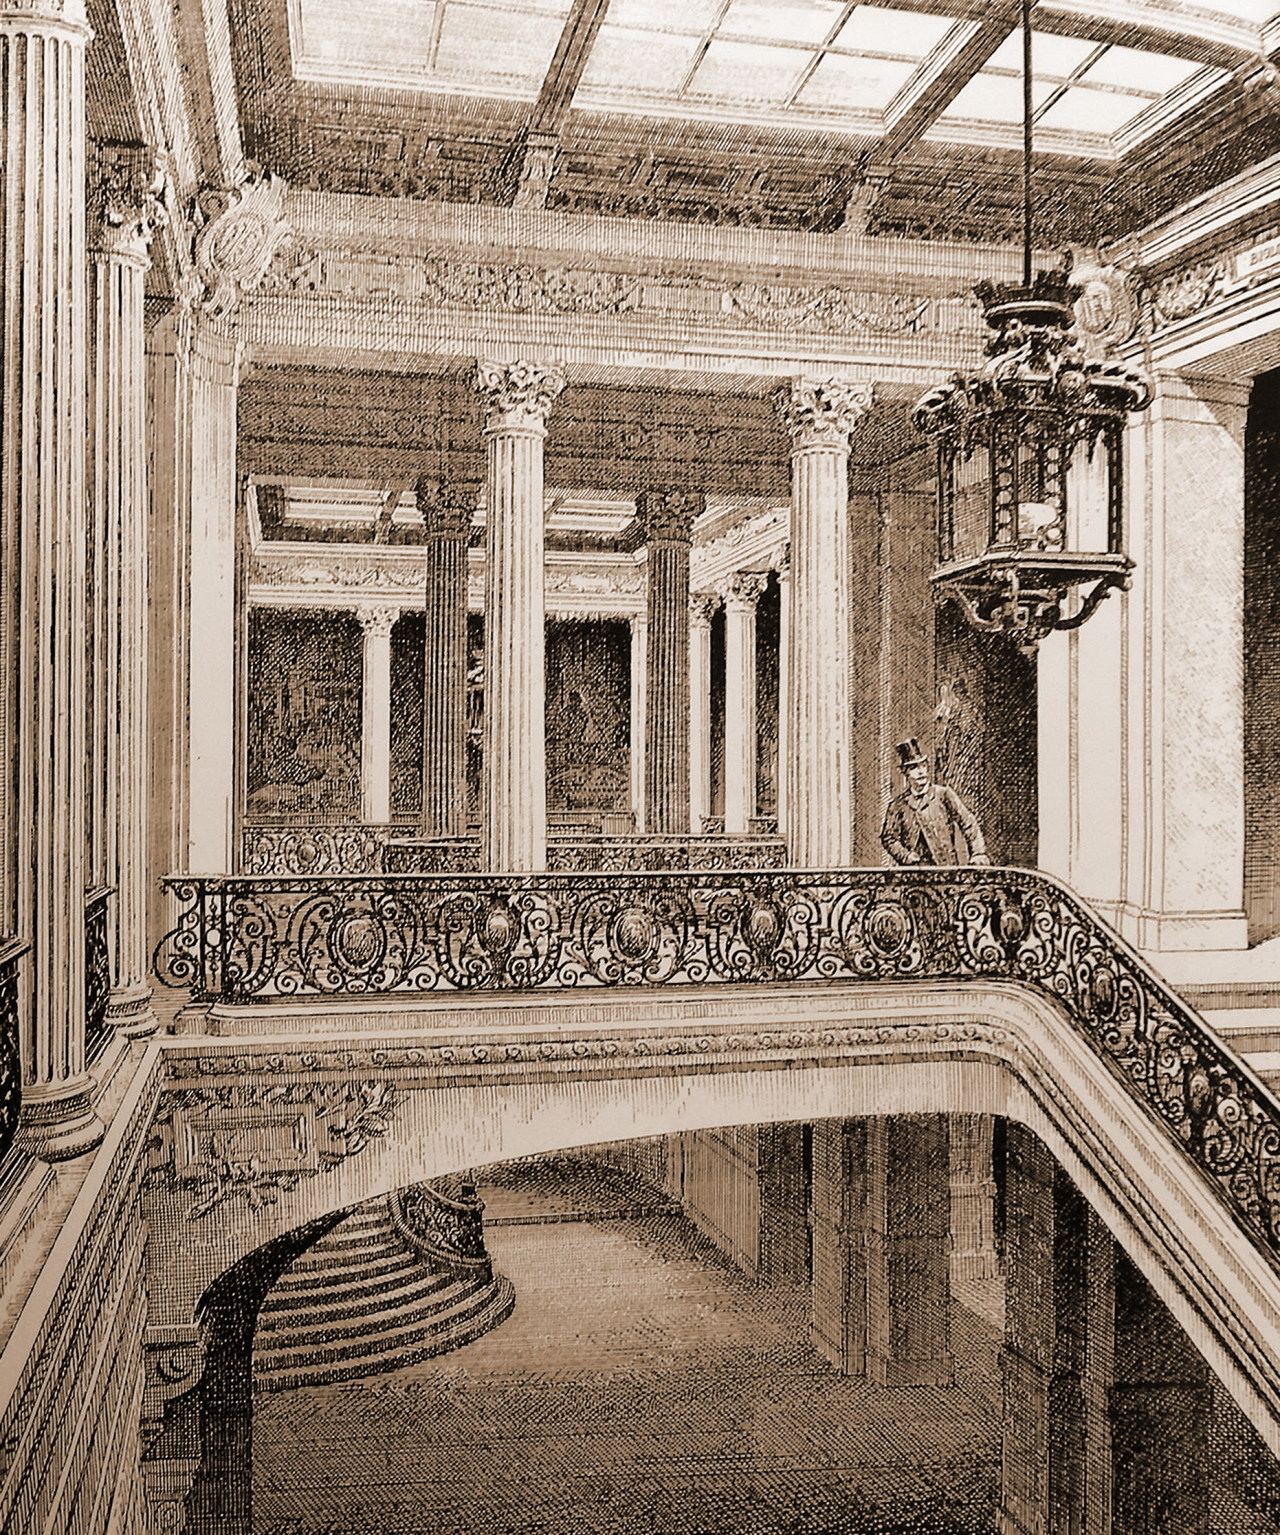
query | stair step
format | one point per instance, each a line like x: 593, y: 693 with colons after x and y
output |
x: 497, y: 1304
x: 1248, y: 1030
x: 384, y: 1260
x: 346, y: 1304
x: 359, y: 1342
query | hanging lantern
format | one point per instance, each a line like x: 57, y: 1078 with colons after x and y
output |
x: 1031, y: 468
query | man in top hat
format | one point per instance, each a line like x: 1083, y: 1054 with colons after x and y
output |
x: 930, y: 822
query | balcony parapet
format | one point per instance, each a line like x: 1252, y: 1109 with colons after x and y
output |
x: 251, y: 940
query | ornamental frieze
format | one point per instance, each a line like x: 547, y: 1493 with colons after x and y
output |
x: 1192, y: 289
x: 255, y: 1141
x: 439, y: 281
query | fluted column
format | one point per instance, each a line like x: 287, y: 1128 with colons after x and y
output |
x: 375, y: 713
x: 740, y: 699
x: 702, y: 609
x: 518, y: 398
x: 639, y: 691
x: 128, y: 182
x: 666, y: 522
x: 447, y: 519
x: 783, y: 568
x: 43, y: 346
x: 820, y: 418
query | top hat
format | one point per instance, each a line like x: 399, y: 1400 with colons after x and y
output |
x: 909, y: 753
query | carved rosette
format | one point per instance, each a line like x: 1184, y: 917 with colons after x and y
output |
x: 517, y: 396
x: 446, y: 510
x: 823, y: 414
x: 667, y: 516
x: 127, y: 200
x: 245, y: 229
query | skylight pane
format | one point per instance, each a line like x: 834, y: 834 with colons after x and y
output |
x: 1155, y: 72
x: 678, y: 15
x: 878, y: 29
x: 625, y: 58
x: 478, y: 42
x: 1094, y: 111
x: 385, y: 32
x: 995, y: 99
x: 1052, y: 56
x: 856, y: 85
x: 798, y: 21
x: 748, y: 72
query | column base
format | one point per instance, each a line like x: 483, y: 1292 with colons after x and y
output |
x: 57, y: 1121
x: 130, y: 1013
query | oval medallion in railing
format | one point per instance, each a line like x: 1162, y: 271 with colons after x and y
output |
x: 358, y: 941
x: 635, y: 934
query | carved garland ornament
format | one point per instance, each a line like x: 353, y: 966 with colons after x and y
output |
x: 255, y: 1142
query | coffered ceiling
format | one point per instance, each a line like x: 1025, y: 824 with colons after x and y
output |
x: 809, y: 114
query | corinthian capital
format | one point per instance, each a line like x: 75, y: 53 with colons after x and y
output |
x: 667, y: 516
x: 517, y: 394
x: 128, y: 192
x: 446, y: 509
x: 823, y: 414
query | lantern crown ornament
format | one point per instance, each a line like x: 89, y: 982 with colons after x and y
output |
x: 1030, y: 456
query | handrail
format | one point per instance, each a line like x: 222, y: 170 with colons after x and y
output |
x: 242, y: 940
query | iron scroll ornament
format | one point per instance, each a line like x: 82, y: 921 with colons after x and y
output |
x: 241, y: 940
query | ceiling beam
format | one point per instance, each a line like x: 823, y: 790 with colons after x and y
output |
x: 941, y: 76
x: 581, y: 27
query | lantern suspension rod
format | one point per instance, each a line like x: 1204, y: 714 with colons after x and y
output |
x: 1027, y: 118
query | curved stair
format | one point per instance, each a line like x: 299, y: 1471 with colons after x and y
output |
x: 368, y: 1298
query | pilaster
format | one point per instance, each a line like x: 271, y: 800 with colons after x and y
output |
x: 908, y: 1215
x: 740, y: 743
x: 1142, y: 709
x: 376, y: 624
x: 638, y: 707
x: 701, y: 611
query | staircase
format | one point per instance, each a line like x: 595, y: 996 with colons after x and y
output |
x: 370, y: 1297
x: 1238, y: 993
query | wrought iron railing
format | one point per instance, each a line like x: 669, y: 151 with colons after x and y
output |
x: 97, y: 972
x: 245, y: 940
x: 445, y: 1226
x: 340, y: 847
x: 596, y: 855
x: 11, y: 952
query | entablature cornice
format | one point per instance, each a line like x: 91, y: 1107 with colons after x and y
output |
x: 600, y: 585
x: 754, y: 300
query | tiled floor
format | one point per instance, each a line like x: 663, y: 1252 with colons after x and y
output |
x: 642, y: 1387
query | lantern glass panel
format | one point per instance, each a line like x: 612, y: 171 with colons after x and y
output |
x: 1089, y: 495
x: 1039, y: 488
x: 970, y: 505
